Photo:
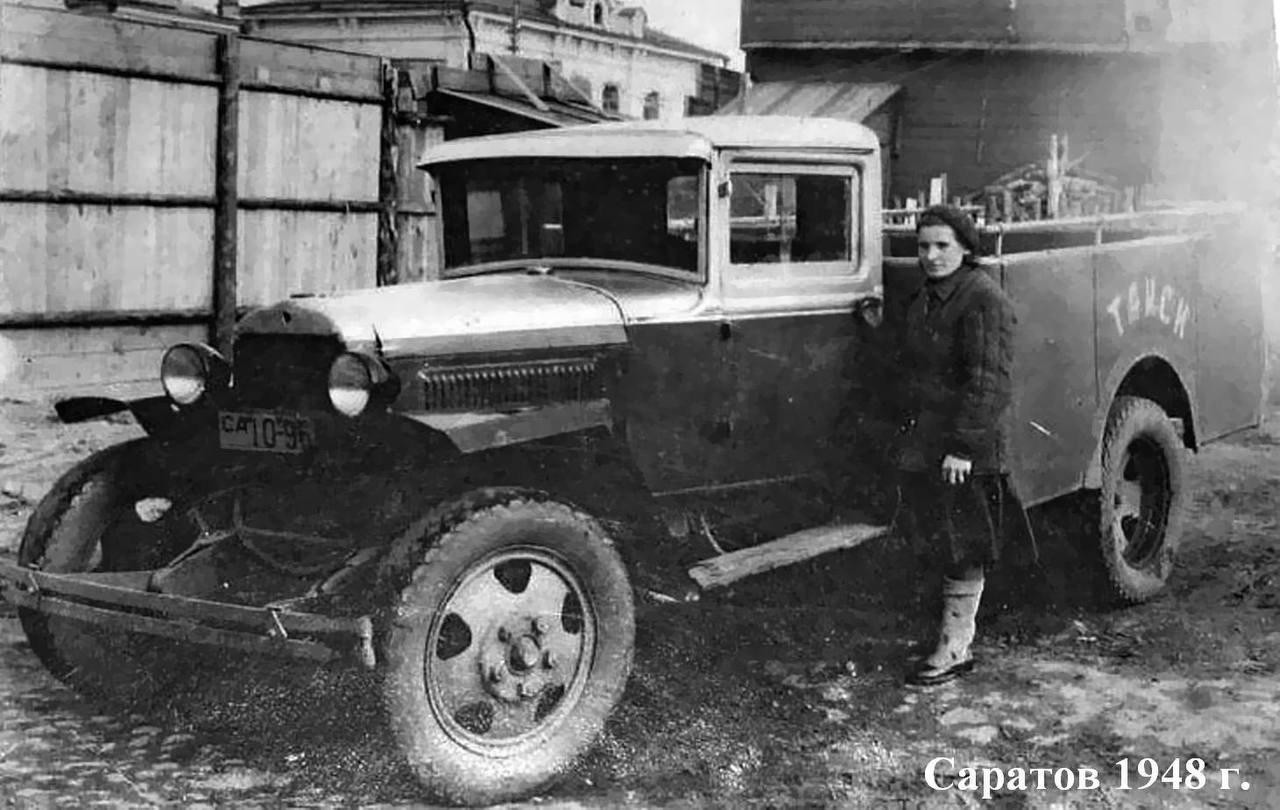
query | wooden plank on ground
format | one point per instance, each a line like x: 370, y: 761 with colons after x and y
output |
x: 726, y: 569
x: 80, y: 41
x: 309, y: 70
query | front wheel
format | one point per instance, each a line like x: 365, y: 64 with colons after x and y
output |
x: 89, y: 523
x: 508, y: 646
x: 1142, y: 500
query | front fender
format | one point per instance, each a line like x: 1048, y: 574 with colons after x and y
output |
x: 474, y: 432
x: 156, y: 415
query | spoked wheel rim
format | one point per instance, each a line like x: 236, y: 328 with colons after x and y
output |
x: 1141, y: 502
x: 510, y: 651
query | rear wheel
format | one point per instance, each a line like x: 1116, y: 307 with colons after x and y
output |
x: 509, y: 644
x: 1142, y: 500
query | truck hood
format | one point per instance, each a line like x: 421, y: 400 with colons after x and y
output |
x: 479, y: 314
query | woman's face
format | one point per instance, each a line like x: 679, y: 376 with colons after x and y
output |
x: 940, y: 253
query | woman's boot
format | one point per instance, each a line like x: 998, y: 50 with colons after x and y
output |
x: 952, y: 657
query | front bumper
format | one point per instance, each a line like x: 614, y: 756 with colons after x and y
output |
x: 120, y: 601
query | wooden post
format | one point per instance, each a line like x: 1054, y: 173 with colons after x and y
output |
x: 1051, y: 178
x: 227, y: 196
x: 388, y: 179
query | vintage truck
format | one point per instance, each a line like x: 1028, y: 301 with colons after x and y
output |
x: 643, y: 334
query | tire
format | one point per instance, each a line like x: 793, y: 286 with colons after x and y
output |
x: 1143, y: 501
x: 87, y: 523
x: 527, y: 612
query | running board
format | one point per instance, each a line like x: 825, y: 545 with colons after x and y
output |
x: 726, y: 569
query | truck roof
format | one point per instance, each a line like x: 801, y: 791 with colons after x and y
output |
x: 693, y: 137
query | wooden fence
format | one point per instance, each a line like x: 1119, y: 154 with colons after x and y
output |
x: 153, y: 180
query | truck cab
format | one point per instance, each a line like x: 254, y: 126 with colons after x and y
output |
x: 734, y: 253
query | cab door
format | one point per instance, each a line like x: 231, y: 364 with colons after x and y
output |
x: 799, y: 257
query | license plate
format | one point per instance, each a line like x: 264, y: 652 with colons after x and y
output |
x: 264, y: 432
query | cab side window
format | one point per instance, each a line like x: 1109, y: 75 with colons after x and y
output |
x: 791, y: 217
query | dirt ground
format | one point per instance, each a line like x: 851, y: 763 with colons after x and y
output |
x: 786, y: 693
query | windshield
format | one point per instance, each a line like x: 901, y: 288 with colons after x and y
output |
x: 644, y: 211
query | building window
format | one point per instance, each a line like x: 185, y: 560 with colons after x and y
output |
x: 597, y: 14
x: 609, y: 98
x: 652, y: 105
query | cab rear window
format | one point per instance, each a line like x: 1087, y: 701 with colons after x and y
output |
x: 786, y: 217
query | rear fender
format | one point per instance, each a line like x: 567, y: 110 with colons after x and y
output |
x: 1152, y: 374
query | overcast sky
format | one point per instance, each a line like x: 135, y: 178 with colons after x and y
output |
x: 710, y: 23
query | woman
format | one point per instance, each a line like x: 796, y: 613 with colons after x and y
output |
x: 953, y: 451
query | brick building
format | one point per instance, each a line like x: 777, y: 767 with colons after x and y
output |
x: 604, y: 47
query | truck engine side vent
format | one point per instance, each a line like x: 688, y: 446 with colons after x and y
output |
x: 510, y: 386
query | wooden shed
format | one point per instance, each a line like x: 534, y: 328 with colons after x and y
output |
x: 1174, y: 96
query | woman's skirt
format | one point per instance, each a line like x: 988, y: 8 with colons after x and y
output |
x: 962, y: 525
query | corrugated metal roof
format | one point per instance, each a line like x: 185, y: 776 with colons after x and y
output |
x: 847, y: 101
x: 558, y: 113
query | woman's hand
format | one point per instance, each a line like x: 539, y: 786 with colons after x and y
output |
x: 955, y: 470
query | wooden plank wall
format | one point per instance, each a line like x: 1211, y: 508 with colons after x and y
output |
x: 307, y: 151
x: 308, y: 172
x: 72, y: 131
x: 976, y: 116
x: 816, y: 21
x: 420, y: 250
x: 108, y: 188
x: 1027, y: 22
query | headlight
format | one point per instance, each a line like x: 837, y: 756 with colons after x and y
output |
x: 355, y: 380
x: 189, y: 370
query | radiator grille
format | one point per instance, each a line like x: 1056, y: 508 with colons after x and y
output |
x: 508, y: 386
x: 287, y: 372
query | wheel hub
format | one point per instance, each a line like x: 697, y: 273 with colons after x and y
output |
x: 514, y: 665
x: 1140, y: 504
x: 525, y: 654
